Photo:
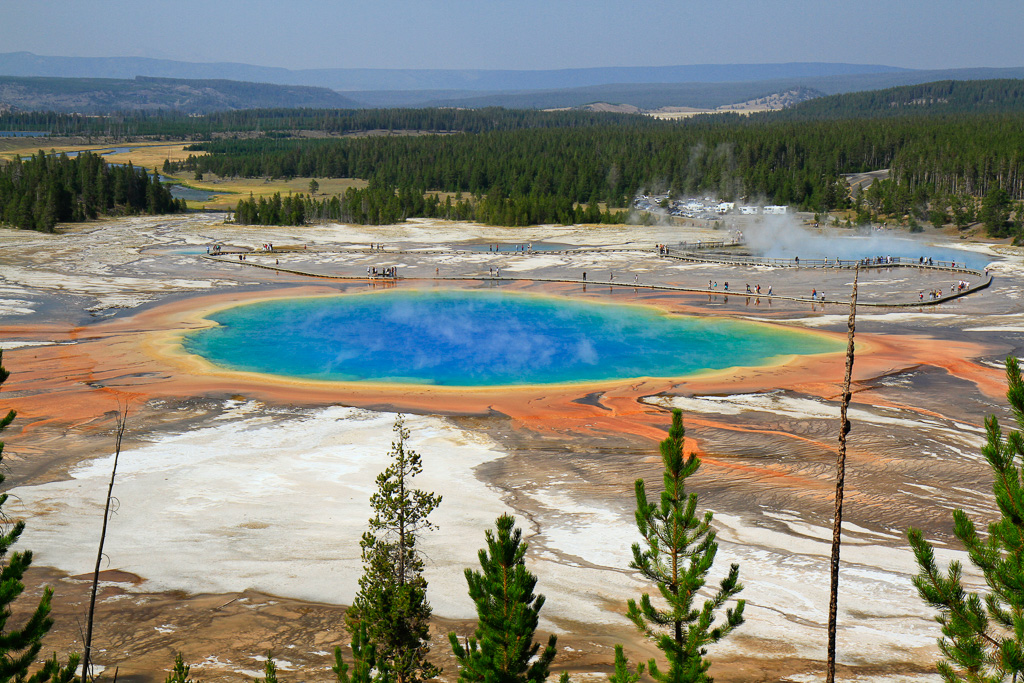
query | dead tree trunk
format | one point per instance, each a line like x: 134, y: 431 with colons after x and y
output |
x: 122, y: 417
x: 837, y: 525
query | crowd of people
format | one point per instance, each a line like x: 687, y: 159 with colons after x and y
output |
x: 956, y: 287
x: 389, y: 271
x: 519, y: 248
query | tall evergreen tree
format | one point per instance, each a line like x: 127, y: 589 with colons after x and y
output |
x: 983, y: 635
x: 391, y: 607
x: 503, y: 650
x: 20, y: 646
x: 678, y: 551
x: 995, y: 211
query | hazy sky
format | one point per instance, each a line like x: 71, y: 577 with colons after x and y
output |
x: 524, y: 34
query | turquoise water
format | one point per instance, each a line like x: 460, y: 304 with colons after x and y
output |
x: 468, y: 338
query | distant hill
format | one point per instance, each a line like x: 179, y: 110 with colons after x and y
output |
x: 28, y: 64
x: 644, y: 96
x: 94, y: 85
x: 104, y: 95
x: 650, y: 96
x: 941, y: 97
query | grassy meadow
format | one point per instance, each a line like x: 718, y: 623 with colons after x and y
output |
x: 230, y: 190
x: 152, y: 155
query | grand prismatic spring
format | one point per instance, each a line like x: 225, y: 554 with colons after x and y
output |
x: 465, y: 338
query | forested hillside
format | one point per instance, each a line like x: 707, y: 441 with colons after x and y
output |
x: 40, y: 192
x: 941, y: 97
x: 276, y: 122
x: 789, y: 162
x: 106, y: 95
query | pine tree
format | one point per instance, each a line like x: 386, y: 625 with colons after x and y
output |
x: 391, y: 604
x: 269, y: 671
x: 623, y: 674
x: 995, y: 211
x: 503, y: 650
x: 365, y: 657
x: 983, y: 635
x: 179, y: 673
x: 678, y: 552
x: 19, y: 646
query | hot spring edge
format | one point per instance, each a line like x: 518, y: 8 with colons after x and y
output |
x: 475, y: 338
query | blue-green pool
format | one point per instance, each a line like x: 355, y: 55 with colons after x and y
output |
x: 469, y: 338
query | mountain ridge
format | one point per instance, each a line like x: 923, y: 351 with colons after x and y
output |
x: 145, y: 93
x: 701, y: 95
x: 27, y: 64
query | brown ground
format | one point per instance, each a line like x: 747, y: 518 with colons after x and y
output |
x: 62, y: 390
x: 147, y: 630
x: 602, y: 435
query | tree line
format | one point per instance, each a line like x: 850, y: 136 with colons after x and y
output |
x: 378, y: 204
x: 41, y: 191
x: 734, y: 157
x: 285, y: 121
x: 998, y: 95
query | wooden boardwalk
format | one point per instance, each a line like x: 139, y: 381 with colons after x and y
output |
x: 984, y: 280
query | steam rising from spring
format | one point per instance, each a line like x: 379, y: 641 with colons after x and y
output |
x: 782, y: 236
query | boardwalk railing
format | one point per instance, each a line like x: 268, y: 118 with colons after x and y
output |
x: 700, y: 245
x: 986, y: 281
x: 797, y: 262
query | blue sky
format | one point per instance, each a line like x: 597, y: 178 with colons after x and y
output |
x: 526, y: 34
